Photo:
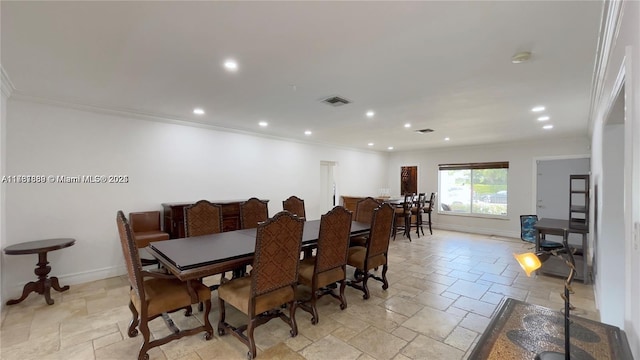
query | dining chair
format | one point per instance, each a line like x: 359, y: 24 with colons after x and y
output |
x: 402, y: 217
x: 329, y: 265
x: 528, y: 233
x: 145, y: 226
x: 417, y: 211
x: 160, y: 293
x: 375, y: 252
x: 428, y: 209
x: 294, y: 205
x: 202, y: 218
x: 252, y: 212
x: 364, y: 210
x: 272, y: 282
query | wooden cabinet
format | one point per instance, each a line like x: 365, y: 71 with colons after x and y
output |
x: 350, y: 203
x: 174, y: 216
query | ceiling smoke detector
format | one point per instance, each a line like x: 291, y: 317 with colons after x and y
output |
x: 424, y: 131
x: 521, y: 57
x: 336, y: 101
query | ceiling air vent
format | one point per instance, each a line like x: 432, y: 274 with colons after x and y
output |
x: 336, y: 101
x: 424, y: 131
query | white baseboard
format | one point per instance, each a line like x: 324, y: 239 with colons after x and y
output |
x: 477, y: 230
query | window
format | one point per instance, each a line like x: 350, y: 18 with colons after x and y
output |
x: 474, y: 188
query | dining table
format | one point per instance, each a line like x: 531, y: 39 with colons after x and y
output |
x: 196, y: 257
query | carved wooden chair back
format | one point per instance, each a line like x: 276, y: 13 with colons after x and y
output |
x: 381, y: 227
x: 253, y: 212
x: 364, y: 209
x: 294, y: 205
x: 202, y: 218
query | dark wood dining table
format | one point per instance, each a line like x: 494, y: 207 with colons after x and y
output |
x: 201, y: 256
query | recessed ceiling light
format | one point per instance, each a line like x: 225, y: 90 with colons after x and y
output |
x: 543, y: 118
x: 370, y: 113
x: 547, y: 127
x: 446, y: 139
x: 521, y: 57
x: 263, y: 123
x: 231, y: 65
x: 308, y: 132
x: 407, y: 125
x: 370, y: 144
x: 390, y: 148
x: 198, y: 111
x: 538, y: 109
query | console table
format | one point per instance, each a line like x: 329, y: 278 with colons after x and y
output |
x: 174, y: 216
x: 44, y: 284
x: 555, y: 266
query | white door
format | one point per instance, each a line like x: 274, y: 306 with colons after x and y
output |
x: 552, y: 185
x: 328, y: 191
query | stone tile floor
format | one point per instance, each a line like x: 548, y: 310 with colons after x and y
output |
x: 443, y: 291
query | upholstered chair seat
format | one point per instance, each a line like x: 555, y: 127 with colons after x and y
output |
x: 163, y: 294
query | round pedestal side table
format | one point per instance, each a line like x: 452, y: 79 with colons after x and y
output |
x: 44, y: 284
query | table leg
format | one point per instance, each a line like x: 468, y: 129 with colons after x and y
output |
x: 30, y: 287
x: 43, y: 285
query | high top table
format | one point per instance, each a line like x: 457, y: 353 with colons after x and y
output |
x: 44, y: 284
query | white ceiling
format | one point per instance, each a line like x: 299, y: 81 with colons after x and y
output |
x: 439, y: 65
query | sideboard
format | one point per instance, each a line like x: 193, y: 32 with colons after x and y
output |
x: 350, y: 202
x: 174, y: 216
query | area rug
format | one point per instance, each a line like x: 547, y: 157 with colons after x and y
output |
x: 520, y: 330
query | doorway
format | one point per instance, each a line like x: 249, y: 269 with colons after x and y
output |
x: 328, y: 186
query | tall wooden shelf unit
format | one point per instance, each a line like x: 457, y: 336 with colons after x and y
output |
x: 578, y: 224
x: 579, y: 202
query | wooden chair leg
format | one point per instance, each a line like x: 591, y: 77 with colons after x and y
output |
x: 252, y: 342
x: 385, y: 283
x: 135, y: 320
x: 221, y: 327
x: 430, y: 231
x: 343, y: 299
x: 292, y: 318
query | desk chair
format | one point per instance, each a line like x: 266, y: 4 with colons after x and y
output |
x: 161, y: 293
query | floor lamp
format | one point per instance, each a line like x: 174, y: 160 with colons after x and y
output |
x: 531, y: 262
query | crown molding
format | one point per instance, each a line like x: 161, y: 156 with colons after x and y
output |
x: 609, y: 29
x: 7, y: 85
x: 147, y: 116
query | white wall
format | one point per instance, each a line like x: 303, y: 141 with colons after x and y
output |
x: 521, y: 178
x: 620, y: 64
x: 611, y: 230
x: 165, y: 163
x: 4, y: 94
